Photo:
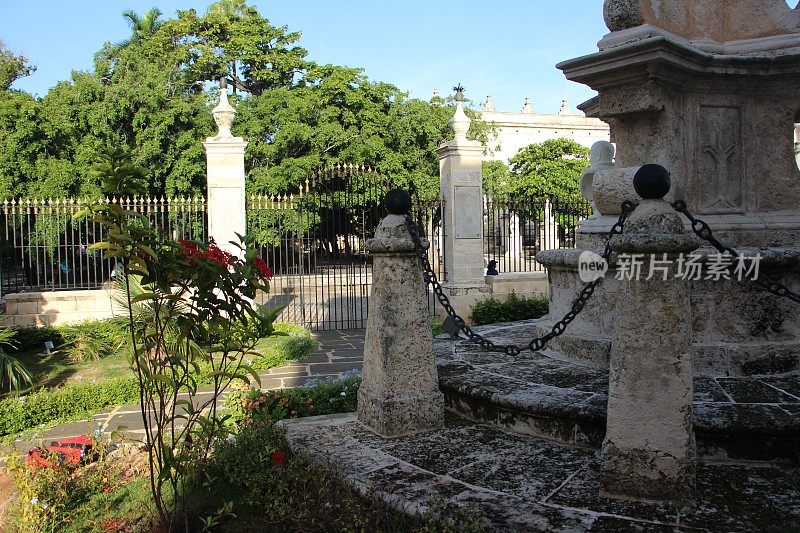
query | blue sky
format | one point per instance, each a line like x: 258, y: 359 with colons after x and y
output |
x: 506, y: 48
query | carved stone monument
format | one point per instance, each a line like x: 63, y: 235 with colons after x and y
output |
x: 400, y: 390
x: 709, y: 91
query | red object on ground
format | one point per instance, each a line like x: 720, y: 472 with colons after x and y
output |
x: 71, y: 450
x: 278, y: 458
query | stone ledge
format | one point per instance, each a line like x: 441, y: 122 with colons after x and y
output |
x: 748, y: 418
x: 510, y: 482
x: 58, y: 307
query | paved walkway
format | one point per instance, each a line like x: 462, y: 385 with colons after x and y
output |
x: 338, y: 352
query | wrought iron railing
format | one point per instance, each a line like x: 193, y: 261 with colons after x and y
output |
x: 516, y: 229
x: 43, y: 247
x: 314, y: 237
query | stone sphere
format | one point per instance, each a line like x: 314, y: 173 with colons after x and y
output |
x: 397, y: 202
x: 651, y: 182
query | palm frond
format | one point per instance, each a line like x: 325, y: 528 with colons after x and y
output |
x: 14, y: 375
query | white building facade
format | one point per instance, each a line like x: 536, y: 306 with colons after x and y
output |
x: 515, y: 131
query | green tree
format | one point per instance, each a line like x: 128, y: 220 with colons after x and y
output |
x: 12, y: 67
x: 142, y: 27
x: 551, y: 168
x: 497, y: 179
x: 22, y: 141
x: 152, y: 97
x: 232, y: 39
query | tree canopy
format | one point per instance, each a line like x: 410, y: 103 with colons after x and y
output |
x: 549, y: 169
x: 12, y: 67
x: 150, y: 96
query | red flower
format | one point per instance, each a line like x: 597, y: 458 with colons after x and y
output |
x: 219, y: 256
x: 262, y: 267
x: 278, y: 458
x: 189, y: 249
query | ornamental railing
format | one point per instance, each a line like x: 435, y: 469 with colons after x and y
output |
x: 516, y: 229
x: 44, y: 248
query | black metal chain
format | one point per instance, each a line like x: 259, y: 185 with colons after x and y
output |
x: 539, y: 342
x: 703, y: 230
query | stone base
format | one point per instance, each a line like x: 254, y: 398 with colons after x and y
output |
x: 400, y: 416
x: 520, y: 283
x: 644, y: 475
x: 738, y: 328
x: 750, y: 418
x: 479, y: 477
x: 462, y: 298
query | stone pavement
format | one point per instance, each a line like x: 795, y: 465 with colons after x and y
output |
x: 338, y: 352
x: 527, y: 483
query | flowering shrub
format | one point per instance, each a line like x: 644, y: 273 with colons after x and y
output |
x: 316, y: 398
x: 278, y: 457
x: 188, y: 304
x: 49, y: 493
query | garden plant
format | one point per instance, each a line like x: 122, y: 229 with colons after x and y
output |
x: 192, y: 306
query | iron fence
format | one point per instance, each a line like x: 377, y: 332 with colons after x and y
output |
x: 516, y: 229
x: 43, y: 247
x: 314, y: 240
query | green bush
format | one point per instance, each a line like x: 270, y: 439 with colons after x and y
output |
x: 299, y: 346
x: 13, y: 374
x: 515, y: 308
x: 93, y: 339
x: 30, y: 339
x: 323, y: 398
x: 64, y: 404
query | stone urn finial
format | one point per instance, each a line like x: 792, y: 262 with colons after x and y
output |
x: 459, y: 90
x: 460, y: 122
x: 224, y: 113
x: 527, y: 107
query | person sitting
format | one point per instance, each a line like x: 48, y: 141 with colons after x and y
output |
x: 492, y: 269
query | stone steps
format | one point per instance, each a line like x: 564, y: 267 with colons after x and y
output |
x: 743, y: 418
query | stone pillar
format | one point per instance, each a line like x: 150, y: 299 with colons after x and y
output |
x: 649, y: 449
x: 460, y: 170
x: 225, y: 180
x: 515, y: 249
x: 399, y: 393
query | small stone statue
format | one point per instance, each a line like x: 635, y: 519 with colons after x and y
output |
x: 601, y: 157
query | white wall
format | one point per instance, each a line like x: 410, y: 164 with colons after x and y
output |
x: 518, y: 130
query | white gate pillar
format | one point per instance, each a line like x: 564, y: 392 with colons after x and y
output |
x: 460, y: 162
x: 225, y: 179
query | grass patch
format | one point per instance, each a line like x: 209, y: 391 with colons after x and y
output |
x: 60, y: 367
x: 68, y: 389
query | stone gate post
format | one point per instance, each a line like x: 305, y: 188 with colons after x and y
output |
x: 225, y: 179
x: 460, y: 162
x: 649, y: 449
